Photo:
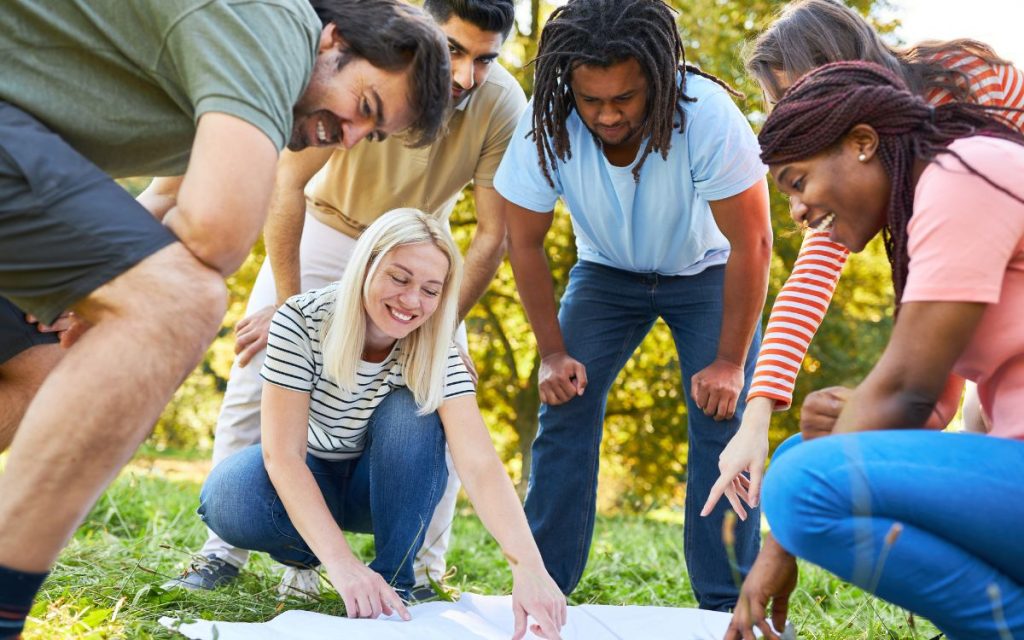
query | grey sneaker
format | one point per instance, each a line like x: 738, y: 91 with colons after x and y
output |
x: 204, y: 573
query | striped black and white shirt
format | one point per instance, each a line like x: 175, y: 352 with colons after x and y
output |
x: 337, y: 418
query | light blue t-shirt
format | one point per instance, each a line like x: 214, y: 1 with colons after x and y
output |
x: 662, y: 224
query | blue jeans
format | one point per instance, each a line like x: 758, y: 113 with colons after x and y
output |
x: 605, y: 314
x: 390, y: 491
x: 959, y: 558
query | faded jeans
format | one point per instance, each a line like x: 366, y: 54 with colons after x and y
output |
x: 391, y: 491
x: 930, y: 521
x: 605, y: 314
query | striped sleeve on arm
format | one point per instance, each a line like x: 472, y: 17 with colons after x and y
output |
x: 994, y: 85
x: 795, y: 317
x: 289, y: 363
x: 457, y: 380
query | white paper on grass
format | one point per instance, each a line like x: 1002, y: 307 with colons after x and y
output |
x: 473, y: 617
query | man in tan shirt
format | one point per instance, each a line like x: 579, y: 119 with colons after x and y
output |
x: 324, y: 198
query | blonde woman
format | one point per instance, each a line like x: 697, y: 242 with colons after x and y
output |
x: 362, y: 388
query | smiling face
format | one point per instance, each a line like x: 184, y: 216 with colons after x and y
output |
x: 837, y: 191
x: 612, y: 102
x: 404, y: 292
x: 473, y: 51
x: 342, y: 106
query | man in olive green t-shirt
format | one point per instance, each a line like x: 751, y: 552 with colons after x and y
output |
x: 206, y: 90
x: 352, y: 188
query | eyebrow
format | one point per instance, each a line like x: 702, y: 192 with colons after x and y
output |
x: 782, y: 174
x: 458, y: 46
x: 409, y: 271
x: 378, y: 110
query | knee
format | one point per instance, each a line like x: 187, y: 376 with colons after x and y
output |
x: 396, y: 423
x: 797, y: 497
x: 231, y: 495
x: 169, y: 292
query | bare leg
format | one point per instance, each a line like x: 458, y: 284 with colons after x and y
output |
x: 20, y: 378
x: 150, y: 327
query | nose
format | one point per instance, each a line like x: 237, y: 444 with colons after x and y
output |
x: 353, y: 132
x: 609, y: 115
x: 797, y: 209
x: 410, y: 300
x: 464, y: 73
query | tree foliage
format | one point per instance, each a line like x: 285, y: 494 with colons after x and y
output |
x: 644, y: 450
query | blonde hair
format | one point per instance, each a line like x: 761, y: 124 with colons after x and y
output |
x: 423, y: 354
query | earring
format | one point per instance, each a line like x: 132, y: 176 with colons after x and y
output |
x: 863, y: 157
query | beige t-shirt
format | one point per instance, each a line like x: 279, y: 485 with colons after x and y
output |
x: 357, y: 185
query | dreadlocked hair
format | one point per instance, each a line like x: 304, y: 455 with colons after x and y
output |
x: 824, y: 105
x: 603, y: 33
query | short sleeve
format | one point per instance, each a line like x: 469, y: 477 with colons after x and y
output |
x: 964, y: 232
x: 289, y: 362
x: 253, y: 62
x: 724, y: 153
x: 507, y: 111
x: 520, y: 179
x: 457, y: 381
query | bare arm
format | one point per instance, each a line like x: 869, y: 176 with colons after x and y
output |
x: 561, y: 377
x: 161, y: 195
x: 495, y: 501
x: 744, y: 221
x: 283, y: 230
x: 222, y: 201
x: 912, y: 375
x: 284, y: 415
x: 487, y: 248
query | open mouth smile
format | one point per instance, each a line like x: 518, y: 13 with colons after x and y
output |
x: 823, y: 223
x: 398, y: 315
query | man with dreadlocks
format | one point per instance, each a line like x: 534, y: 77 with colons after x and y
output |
x: 918, y: 517
x: 669, y: 203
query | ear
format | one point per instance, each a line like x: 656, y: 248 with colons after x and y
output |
x: 331, y: 39
x: 862, y: 140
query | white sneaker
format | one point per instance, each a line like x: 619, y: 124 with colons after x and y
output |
x: 300, y: 584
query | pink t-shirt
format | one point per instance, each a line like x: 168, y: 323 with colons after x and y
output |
x: 966, y: 244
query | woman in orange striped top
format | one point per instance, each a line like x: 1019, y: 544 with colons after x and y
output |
x: 809, y: 34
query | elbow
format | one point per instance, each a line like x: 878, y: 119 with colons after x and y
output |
x: 212, y: 242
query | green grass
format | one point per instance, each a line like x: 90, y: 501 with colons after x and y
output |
x: 106, y: 583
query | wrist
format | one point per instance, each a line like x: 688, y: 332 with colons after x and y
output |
x: 733, y: 360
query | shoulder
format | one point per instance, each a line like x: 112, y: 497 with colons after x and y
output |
x: 709, y: 98
x: 499, y: 97
x: 312, y: 306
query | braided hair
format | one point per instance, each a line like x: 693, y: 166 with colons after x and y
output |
x: 824, y: 105
x: 603, y: 33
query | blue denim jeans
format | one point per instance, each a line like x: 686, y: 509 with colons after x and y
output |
x: 390, y: 491
x: 957, y: 554
x: 605, y: 314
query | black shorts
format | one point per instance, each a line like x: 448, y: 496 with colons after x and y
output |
x: 66, y: 228
x: 16, y: 334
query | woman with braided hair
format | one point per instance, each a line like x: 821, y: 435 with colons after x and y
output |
x: 918, y: 517
x: 806, y: 35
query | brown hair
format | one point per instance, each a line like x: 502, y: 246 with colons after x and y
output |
x: 810, y: 33
x: 824, y: 105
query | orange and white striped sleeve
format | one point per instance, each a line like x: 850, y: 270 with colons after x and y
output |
x: 795, y: 317
x: 996, y: 85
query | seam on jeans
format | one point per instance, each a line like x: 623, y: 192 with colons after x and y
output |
x: 583, y: 530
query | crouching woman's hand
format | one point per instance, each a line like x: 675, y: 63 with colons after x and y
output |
x: 535, y: 595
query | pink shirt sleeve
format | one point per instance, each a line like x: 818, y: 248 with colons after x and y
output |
x: 963, y: 235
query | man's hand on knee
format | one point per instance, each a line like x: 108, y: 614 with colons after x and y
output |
x: 561, y: 378
x: 251, y: 334
x: 716, y: 389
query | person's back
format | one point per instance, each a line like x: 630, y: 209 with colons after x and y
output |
x: 126, y: 82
